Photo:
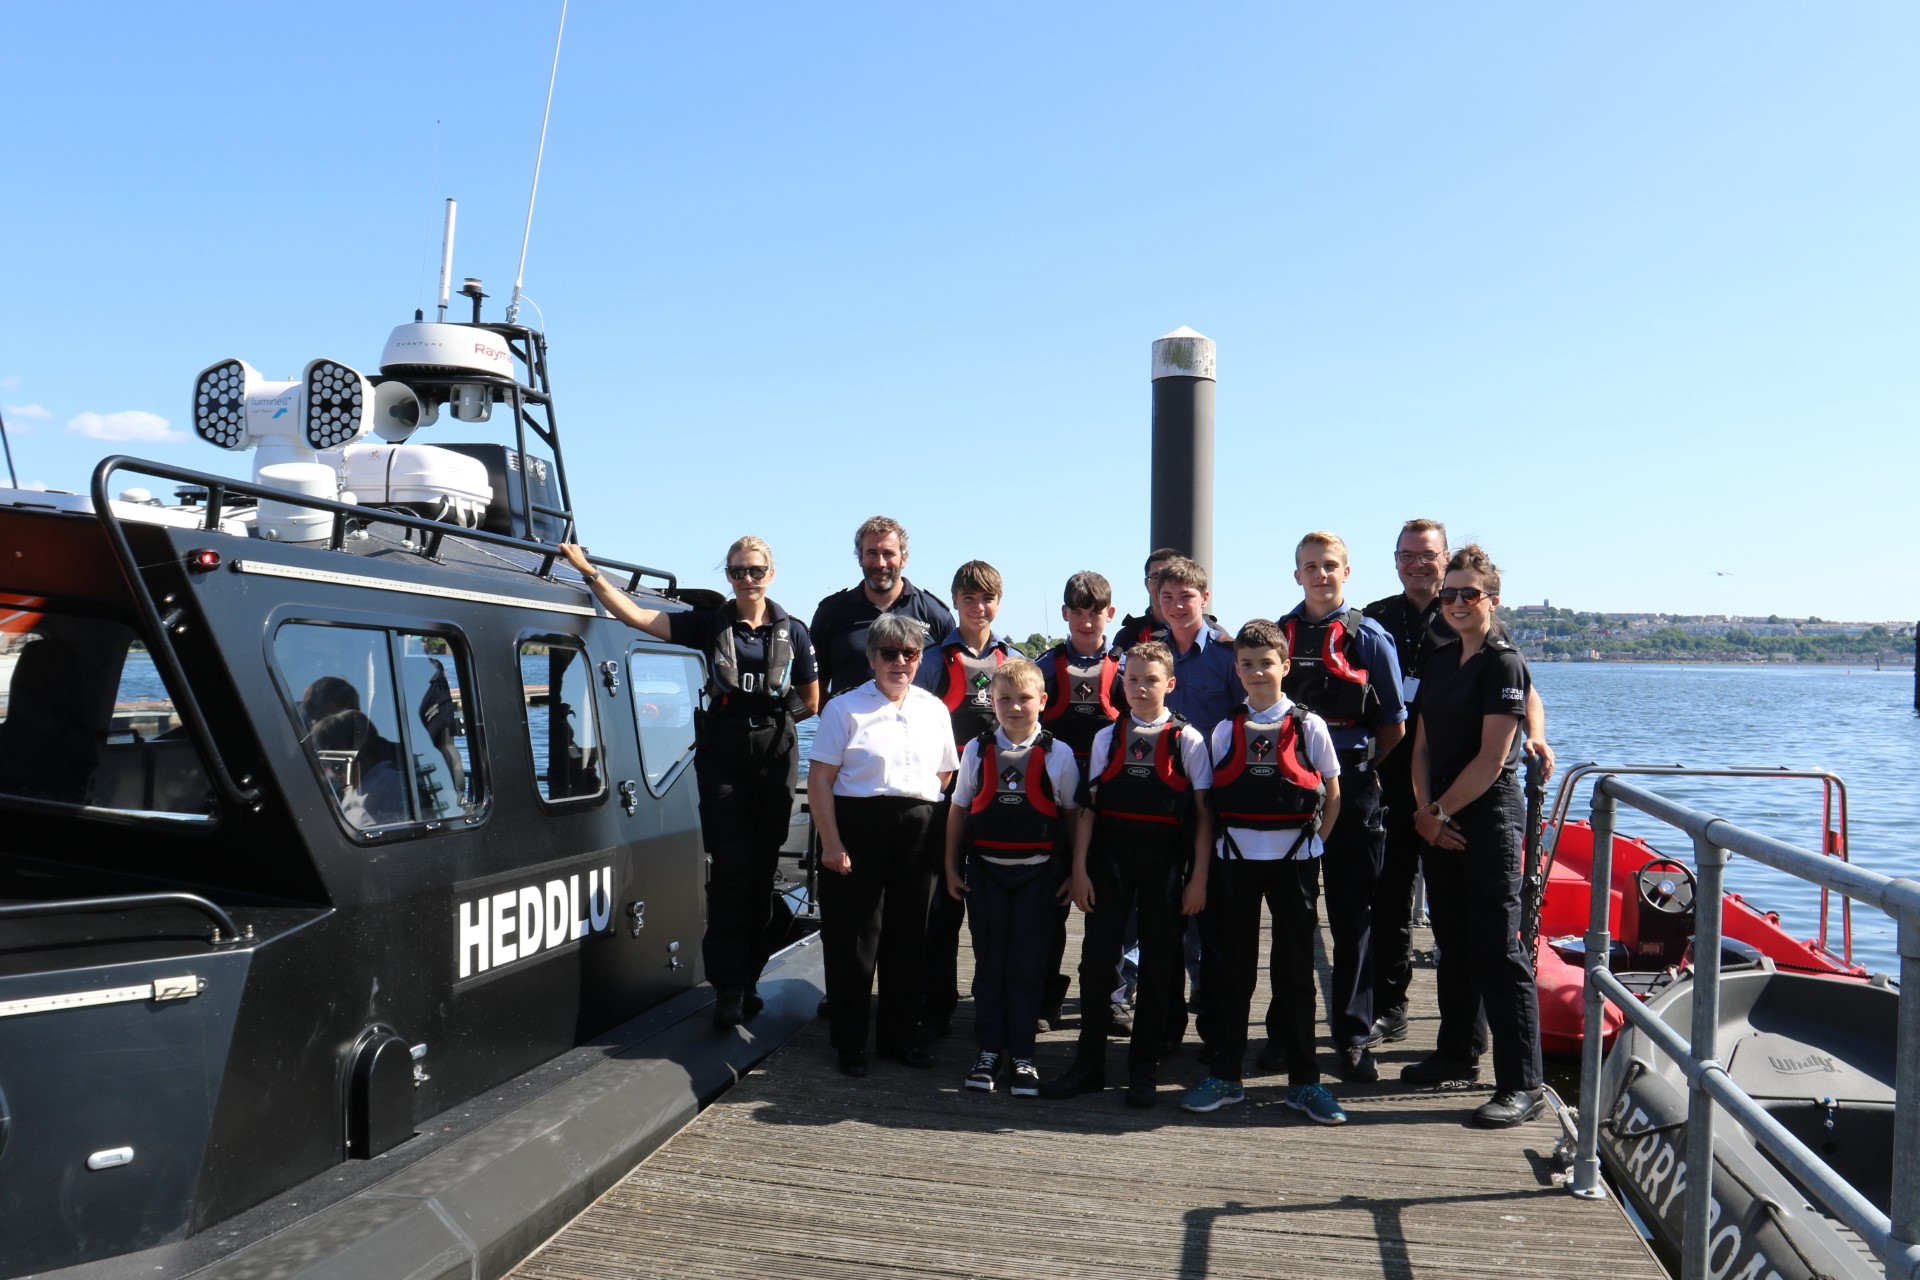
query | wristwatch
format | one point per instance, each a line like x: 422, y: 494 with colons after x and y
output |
x: 590, y: 577
x: 1438, y: 812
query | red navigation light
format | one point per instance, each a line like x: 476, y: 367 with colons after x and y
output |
x: 203, y: 560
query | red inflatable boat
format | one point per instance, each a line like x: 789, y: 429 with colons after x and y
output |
x: 1650, y: 916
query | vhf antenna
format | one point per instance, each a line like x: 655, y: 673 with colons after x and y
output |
x: 513, y: 304
x: 446, y: 259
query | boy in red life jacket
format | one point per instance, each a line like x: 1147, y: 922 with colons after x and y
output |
x: 1084, y: 696
x: 1276, y: 794
x: 1013, y: 806
x: 957, y: 670
x: 1149, y: 817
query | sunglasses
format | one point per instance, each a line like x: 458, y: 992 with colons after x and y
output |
x: 1470, y: 595
x: 890, y: 654
x: 741, y: 572
x: 1417, y: 557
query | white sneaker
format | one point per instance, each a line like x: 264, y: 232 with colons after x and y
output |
x: 986, y: 1072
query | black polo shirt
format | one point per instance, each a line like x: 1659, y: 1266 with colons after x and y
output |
x: 840, y: 626
x: 698, y: 628
x: 1456, y: 698
x: 1415, y: 632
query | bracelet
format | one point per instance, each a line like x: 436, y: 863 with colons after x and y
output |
x: 590, y: 577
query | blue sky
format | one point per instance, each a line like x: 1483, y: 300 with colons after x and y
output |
x: 1626, y: 292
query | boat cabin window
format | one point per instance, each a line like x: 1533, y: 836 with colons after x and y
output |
x: 85, y: 718
x: 382, y: 715
x: 563, y: 725
x: 666, y: 689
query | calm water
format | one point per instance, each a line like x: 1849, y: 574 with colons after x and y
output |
x: 1856, y: 722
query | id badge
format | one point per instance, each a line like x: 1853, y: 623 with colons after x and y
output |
x: 1409, y: 689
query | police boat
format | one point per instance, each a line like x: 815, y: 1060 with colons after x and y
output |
x: 351, y: 880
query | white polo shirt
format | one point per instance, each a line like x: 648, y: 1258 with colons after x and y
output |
x: 1270, y: 846
x: 884, y: 748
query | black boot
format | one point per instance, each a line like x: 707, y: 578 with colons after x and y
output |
x: 728, y: 1010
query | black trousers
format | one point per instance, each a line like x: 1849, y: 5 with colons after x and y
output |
x: 876, y: 916
x: 1393, y: 901
x: 1235, y: 889
x: 1351, y: 869
x: 746, y: 803
x: 941, y: 983
x: 1011, y: 912
x: 1475, y: 898
x: 1131, y: 872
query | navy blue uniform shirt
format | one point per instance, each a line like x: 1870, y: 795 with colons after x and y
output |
x: 697, y: 628
x: 840, y: 631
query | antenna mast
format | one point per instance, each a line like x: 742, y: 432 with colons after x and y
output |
x: 520, y: 273
x: 446, y: 259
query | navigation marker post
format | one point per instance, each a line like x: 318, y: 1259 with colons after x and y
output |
x: 1182, y: 496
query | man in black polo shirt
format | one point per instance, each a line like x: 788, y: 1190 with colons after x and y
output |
x: 841, y: 621
x: 1412, y: 619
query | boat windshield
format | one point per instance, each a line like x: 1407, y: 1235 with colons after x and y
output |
x: 86, y: 720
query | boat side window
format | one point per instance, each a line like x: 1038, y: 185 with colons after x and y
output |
x: 85, y: 718
x: 380, y: 712
x: 563, y: 725
x: 666, y: 690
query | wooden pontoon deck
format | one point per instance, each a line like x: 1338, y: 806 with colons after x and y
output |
x: 801, y: 1172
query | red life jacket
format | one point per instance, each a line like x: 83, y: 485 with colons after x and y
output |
x: 1326, y: 676
x: 1082, y: 703
x: 1267, y: 781
x: 964, y: 687
x: 1145, y: 778
x: 1014, y: 813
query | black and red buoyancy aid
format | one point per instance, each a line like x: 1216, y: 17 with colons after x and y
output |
x: 965, y: 688
x: 1325, y: 675
x: 1082, y: 703
x: 1145, y: 778
x: 1014, y: 813
x: 1268, y: 782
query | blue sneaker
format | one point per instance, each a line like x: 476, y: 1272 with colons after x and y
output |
x: 1212, y: 1094
x: 1317, y: 1103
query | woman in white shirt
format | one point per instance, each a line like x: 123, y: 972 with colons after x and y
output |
x: 881, y: 758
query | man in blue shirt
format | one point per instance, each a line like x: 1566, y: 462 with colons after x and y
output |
x: 1344, y: 669
x: 1206, y: 686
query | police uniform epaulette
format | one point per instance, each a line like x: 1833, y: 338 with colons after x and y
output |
x: 1497, y: 641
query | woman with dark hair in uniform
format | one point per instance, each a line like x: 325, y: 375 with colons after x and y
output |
x: 1471, y: 811
x: 761, y: 680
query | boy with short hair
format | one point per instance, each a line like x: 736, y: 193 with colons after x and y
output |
x: 1084, y: 695
x: 958, y: 670
x: 1149, y: 816
x: 1136, y: 627
x: 1276, y: 793
x: 1013, y: 805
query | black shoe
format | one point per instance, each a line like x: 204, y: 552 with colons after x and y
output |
x: 853, y: 1063
x: 910, y: 1056
x: 1389, y: 1028
x: 932, y: 1028
x: 1142, y: 1090
x: 751, y: 1003
x: 821, y: 1012
x: 1356, y: 1065
x: 1510, y: 1107
x: 1120, y: 1021
x: 1272, y: 1058
x: 728, y: 1010
x: 1074, y: 1081
x: 1434, y: 1069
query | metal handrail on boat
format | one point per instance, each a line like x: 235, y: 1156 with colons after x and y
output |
x: 159, y: 628
x: 1894, y: 1238
x: 1833, y: 836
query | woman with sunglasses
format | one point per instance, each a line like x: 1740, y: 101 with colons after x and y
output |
x: 880, y: 762
x: 762, y: 678
x: 1471, y: 813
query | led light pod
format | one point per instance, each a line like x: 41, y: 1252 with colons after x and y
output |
x: 220, y: 403
x: 336, y: 404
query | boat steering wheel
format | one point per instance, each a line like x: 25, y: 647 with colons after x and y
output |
x: 1671, y: 894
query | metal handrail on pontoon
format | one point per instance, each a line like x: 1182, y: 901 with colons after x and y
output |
x: 1895, y: 1237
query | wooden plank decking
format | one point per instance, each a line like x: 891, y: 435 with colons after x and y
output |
x: 801, y: 1172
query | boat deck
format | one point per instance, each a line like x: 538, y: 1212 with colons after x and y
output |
x: 799, y: 1171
